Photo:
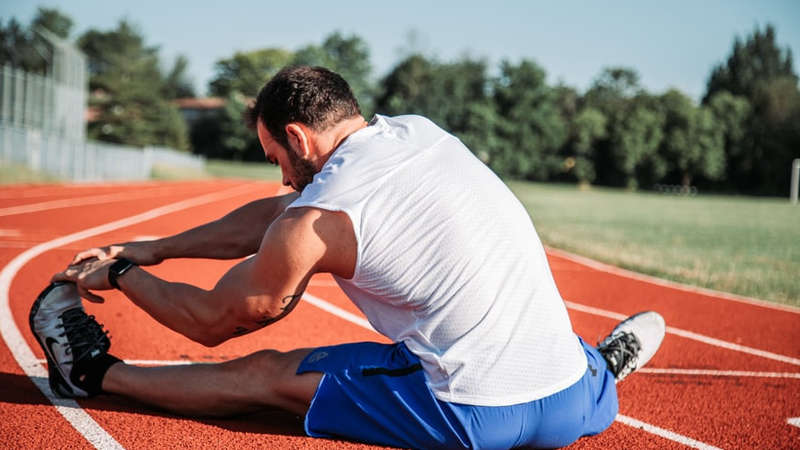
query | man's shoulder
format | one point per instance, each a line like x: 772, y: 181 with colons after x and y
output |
x: 324, y: 235
x: 326, y: 224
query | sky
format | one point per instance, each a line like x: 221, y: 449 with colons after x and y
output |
x: 670, y: 44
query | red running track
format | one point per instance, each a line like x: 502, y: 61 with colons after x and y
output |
x: 727, y: 375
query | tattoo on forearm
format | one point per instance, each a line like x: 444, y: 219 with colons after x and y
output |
x: 287, y: 305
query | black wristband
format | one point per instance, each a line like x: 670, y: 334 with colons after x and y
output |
x: 118, y: 268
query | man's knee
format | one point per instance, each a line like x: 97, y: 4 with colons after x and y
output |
x: 269, y: 378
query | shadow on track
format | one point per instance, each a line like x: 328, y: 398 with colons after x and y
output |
x: 21, y: 390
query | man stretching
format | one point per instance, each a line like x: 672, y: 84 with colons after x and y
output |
x: 430, y: 245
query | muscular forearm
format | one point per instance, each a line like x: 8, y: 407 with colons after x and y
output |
x: 238, y: 304
x: 181, y: 307
x: 236, y: 235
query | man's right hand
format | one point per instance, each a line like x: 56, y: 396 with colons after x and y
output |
x: 141, y: 253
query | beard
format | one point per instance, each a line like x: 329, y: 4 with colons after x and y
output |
x: 305, y: 171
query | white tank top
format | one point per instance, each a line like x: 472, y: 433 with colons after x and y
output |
x: 449, y: 263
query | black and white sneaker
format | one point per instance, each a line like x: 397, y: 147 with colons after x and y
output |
x: 632, y: 343
x: 74, y: 343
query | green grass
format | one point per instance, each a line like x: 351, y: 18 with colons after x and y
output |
x: 20, y: 174
x: 232, y: 169
x: 746, y: 246
x: 220, y: 169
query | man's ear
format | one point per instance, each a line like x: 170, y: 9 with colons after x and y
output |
x: 299, y: 139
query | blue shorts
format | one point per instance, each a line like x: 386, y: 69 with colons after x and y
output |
x: 377, y: 394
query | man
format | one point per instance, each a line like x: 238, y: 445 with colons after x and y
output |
x: 422, y: 237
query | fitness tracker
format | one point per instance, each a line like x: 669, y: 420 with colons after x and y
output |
x: 117, y: 269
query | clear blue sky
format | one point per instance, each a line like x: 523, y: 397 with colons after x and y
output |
x: 670, y: 44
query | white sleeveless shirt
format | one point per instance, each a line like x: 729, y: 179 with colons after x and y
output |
x: 449, y: 263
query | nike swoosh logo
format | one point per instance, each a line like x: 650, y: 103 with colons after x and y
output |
x: 49, y: 344
x: 57, y: 384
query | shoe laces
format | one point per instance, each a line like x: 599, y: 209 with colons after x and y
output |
x: 621, y: 352
x: 84, y: 334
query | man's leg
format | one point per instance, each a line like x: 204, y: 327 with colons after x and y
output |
x: 253, y: 383
x: 79, y: 365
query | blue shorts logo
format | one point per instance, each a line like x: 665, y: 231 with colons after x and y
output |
x: 316, y: 357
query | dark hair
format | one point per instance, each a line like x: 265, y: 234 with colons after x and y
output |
x: 313, y: 96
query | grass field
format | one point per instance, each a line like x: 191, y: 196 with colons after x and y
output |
x: 746, y: 246
x: 220, y: 169
x: 741, y: 245
x: 19, y: 174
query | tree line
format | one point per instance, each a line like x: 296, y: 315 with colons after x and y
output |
x: 740, y: 138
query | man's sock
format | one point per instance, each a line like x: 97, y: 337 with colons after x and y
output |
x: 88, y: 375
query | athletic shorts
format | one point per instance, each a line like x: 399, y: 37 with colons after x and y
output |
x: 377, y: 393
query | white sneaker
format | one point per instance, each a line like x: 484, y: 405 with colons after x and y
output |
x: 69, y: 337
x: 632, y: 343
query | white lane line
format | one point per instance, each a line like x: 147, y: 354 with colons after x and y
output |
x: 719, y: 373
x: 732, y: 346
x: 794, y: 421
x: 338, y: 312
x: 83, y: 201
x: 72, y: 412
x: 666, y: 434
x: 671, y: 284
x: 691, y: 335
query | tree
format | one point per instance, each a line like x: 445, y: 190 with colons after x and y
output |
x: 454, y: 88
x: 762, y: 73
x: 24, y: 48
x: 349, y: 56
x: 442, y: 92
x: 628, y: 153
x: 405, y: 88
x: 612, y: 91
x: 731, y: 114
x: 53, y: 21
x: 693, y: 142
x: 774, y: 138
x: 16, y: 46
x: 236, y: 138
x: 177, y: 83
x: 127, y: 85
x: 247, y: 72
x: 751, y: 65
x: 587, y: 128
x: 635, y: 138
x: 530, y: 126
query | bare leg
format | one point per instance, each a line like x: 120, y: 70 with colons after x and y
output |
x: 255, y: 382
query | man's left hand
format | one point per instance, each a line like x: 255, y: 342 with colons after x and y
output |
x: 89, y: 275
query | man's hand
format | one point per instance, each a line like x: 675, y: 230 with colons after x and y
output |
x: 140, y: 253
x: 91, y: 274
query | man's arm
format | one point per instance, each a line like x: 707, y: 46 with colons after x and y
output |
x: 254, y: 293
x: 236, y: 235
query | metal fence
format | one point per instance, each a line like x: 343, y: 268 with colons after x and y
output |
x: 54, y: 102
x: 85, y: 161
x: 43, y: 125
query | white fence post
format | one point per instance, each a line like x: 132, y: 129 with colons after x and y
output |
x: 795, y: 180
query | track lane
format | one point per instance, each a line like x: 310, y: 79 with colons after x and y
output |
x: 758, y: 326
x: 281, y: 430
